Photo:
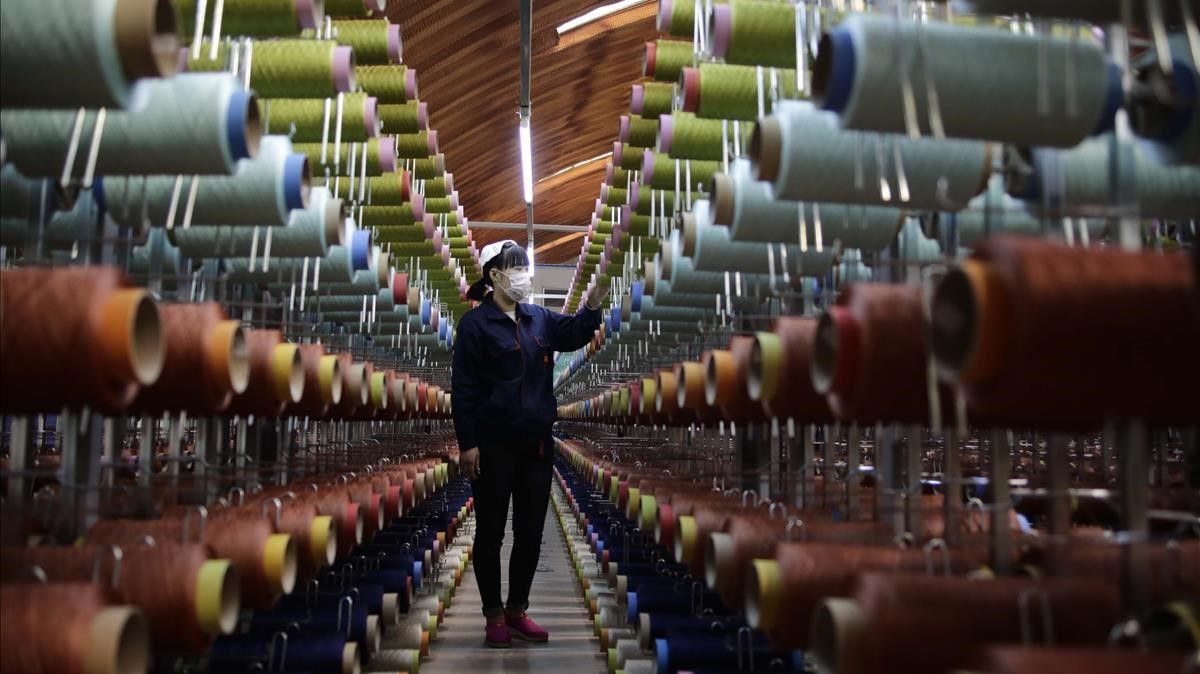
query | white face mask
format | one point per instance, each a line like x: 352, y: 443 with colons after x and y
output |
x: 520, y: 285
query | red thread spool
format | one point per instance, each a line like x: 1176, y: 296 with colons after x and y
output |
x: 780, y: 372
x: 206, y: 362
x: 105, y: 341
x: 315, y: 536
x: 1019, y: 310
x: 93, y: 635
x: 868, y: 348
x: 782, y: 592
x: 186, y: 595
x: 268, y: 378
x: 1082, y: 660
x: 875, y: 631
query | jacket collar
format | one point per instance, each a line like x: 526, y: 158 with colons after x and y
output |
x: 495, y: 313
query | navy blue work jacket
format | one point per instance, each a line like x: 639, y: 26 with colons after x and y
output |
x: 503, y: 376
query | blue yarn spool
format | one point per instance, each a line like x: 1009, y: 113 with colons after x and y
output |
x: 669, y: 601
x: 360, y: 249
x: 317, y: 652
x: 324, y: 615
x: 426, y: 312
x: 658, y: 625
x: 689, y: 650
x: 635, y: 295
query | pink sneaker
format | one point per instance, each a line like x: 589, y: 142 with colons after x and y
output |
x: 526, y: 629
x: 496, y: 635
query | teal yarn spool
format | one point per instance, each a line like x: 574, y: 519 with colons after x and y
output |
x: 261, y: 192
x: 659, y: 171
x: 805, y: 156
x: 389, y: 83
x: 638, y: 131
x: 747, y: 207
x: 995, y: 213
x: 363, y: 282
x: 256, y: 18
x: 683, y: 135
x: 720, y: 91
x: 309, y: 233
x: 336, y: 268
x: 289, y: 68
x: 990, y: 84
x: 680, y: 273
x: 651, y: 99
x: 193, y: 123
x: 64, y: 229
x: 303, y: 119
x: 373, y: 40
x: 409, y: 117
x: 913, y: 247
x: 712, y: 249
x: 665, y: 59
x: 1075, y: 183
x: 416, y: 145
x: 384, y: 302
x: 71, y: 54
x: 753, y: 32
x: 23, y: 198
x: 156, y: 258
x: 381, y: 158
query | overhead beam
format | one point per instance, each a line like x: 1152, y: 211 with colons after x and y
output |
x: 474, y: 224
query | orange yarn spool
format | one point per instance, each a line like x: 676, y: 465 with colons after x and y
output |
x: 269, y: 378
x: 725, y: 381
x: 103, y: 342
x: 315, y: 401
x: 876, y: 630
x: 92, y: 634
x: 206, y: 362
x: 164, y: 581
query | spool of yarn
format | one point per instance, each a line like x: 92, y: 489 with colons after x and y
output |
x: 373, y: 40
x: 107, y: 340
x: 258, y: 18
x: 638, y: 131
x: 780, y: 372
x: 276, y: 376
x: 113, y: 44
x: 683, y: 135
x: 309, y: 233
x: 187, y: 596
x: 720, y: 91
x: 409, y: 117
x: 24, y: 201
x: 992, y: 316
x: 907, y: 607
x: 80, y: 225
x: 651, y: 99
x: 640, y: 200
x: 389, y: 189
x: 1076, y: 93
x: 870, y: 346
x: 753, y: 32
x: 354, y: 8
x: 261, y: 192
x: 1081, y: 176
x: 381, y: 158
x: 1081, y: 660
x: 322, y: 381
x: 429, y: 167
x: 193, y: 124
x: 676, y: 18
x: 615, y: 175
x: 289, y: 68
x: 416, y: 145
x: 805, y: 157
x: 725, y: 381
x: 336, y: 267
x: 389, y: 83
x: 157, y: 258
x: 303, y: 119
x: 315, y: 536
x: 712, y: 250
x: 206, y: 362
x: 95, y: 634
x: 659, y: 171
x: 1066, y: 9
x: 784, y: 591
x: 751, y: 213
x: 663, y: 60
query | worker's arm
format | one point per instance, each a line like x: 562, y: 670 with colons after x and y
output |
x: 569, y: 333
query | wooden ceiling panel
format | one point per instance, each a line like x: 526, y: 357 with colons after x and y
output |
x: 467, y: 58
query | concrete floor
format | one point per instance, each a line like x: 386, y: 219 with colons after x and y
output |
x: 556, y: 604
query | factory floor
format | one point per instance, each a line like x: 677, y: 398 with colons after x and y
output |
x: 555, y: 604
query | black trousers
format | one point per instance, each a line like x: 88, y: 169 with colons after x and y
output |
x: 520, y: 473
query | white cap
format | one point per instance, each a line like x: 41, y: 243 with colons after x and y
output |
x: 492, y: 250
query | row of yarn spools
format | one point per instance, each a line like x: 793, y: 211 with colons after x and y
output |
x: 968, y: 140
x: 343, y: 572
x: 195, y: 150
x: 118, y: 350
x: 985, y: 330
x: 681, y: 576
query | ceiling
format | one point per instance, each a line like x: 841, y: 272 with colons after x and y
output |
x: 466, y: 53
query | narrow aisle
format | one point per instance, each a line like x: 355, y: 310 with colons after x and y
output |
x: 556, y: 604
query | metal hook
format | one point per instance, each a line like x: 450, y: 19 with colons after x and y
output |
x: 1023, y: 601
x: 200, y: 512
x: 936, y: 545
x: 278, y: 510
